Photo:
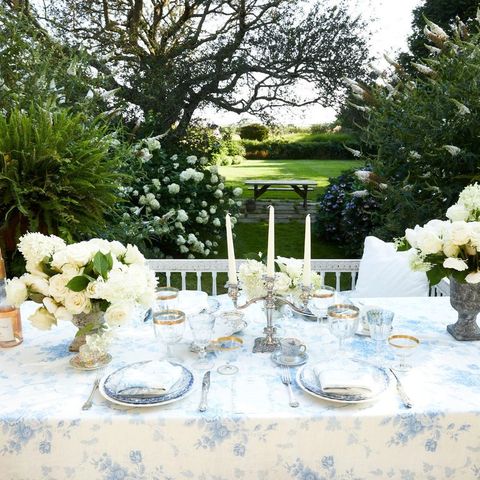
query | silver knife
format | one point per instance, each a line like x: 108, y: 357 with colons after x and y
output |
x: 403, y: 395
x: 205, y: 387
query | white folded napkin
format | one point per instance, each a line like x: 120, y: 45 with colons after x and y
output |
x: 344, y: 380
x: 147, y: 379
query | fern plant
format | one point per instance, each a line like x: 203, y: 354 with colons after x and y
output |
x: 57, y: 174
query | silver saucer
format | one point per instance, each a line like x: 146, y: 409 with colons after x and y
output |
x: 300, y: 360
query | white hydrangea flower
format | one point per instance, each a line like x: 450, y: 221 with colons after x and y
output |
x: 214, y: 179
x: 220, y: 186
x: 218, y: 194
x: 360, y: 193
x: 188, y: 200
x: 183, y: 249
x: 214, y: 169
x: 182, y: 215
x: 191, y: 159
x: 173, y: 188
x: 156, y: 182
x: 203, y: 160
x: 180, y: 240
x: 216, y: 222
x: 237, y: 192
x: 363, y: 175
x: 213, y: 210
x: 152, y: 144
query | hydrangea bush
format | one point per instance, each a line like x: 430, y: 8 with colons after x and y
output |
x: 347, y: 209
x: 177, y: 203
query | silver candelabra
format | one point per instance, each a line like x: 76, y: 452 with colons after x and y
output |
x: 270, y: 341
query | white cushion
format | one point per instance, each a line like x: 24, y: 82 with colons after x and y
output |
x: 384, y: 272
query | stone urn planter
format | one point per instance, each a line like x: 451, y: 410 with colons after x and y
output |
x: 465, y: 299
x: 87, y: 324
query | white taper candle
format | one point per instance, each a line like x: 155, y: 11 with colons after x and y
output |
x: 271, y: 243
x: 232, y: 269
x: 307, y: 256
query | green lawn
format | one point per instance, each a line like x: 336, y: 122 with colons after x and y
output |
x: 316, y: 137
x: 318, y: 170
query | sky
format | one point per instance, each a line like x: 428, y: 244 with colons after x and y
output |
x: 390, y: 28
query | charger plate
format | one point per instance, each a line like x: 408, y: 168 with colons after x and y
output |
x: 307, y: 381
x: 179, y: 390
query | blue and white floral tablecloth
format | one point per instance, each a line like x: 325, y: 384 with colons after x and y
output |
x: 249, y: 431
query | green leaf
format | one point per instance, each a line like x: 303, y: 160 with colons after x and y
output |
x: 402, y: 244
x: 103, y: 305
x: 102, y: 264
x: 78, y: 283
x: 436, y: 274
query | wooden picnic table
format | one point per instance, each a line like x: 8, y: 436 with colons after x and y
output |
x: 301, y: 187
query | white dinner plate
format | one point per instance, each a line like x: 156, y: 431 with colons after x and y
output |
x: 176, y: 393
x: 306, y: 380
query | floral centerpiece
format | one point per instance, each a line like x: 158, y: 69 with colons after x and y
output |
x: 287, y: 281
x: 96, y: 284
x: 451, y: 248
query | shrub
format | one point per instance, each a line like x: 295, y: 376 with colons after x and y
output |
x: 426, y: 131
x: 255, y: 131
x: 281, y: 149
x: 321, y: 127
x: 58, y: 174
x: 176, y: 205
x: 346, y: 212
x: 200, y: 139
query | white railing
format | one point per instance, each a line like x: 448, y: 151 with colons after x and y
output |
x: 200, y: 269
x: 211, y: 268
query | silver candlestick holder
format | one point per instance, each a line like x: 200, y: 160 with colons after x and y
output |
x: 270, y: 341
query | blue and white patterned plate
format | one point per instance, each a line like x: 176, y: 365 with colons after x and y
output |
x: 178, y: 391
x: 307, y: 381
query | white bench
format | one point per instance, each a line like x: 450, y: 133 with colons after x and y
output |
x: 339, y: 268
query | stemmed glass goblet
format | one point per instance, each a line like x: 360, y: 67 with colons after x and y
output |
x: 343, y: 321
x: 202, y: 325
x: 380, y: 326
x: 169, y: 325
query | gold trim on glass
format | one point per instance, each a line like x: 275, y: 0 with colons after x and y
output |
x: 237, y: 341
x: 343, y: 310
x: 171, y: 296
x: 318, y: 293
x: 392, y: 338
x: 174, y: 317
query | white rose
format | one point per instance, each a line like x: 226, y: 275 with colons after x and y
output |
x: 473, y: 277
x: 62, y: 314
x: 133, y: 255
x: 428, y: 242
x: 437, y: 226
x: 460, y: 233
x: 50, y: 305
x: 34, y: 269
x: 450, y: 250
x: 42, y: 319
x: 58, y: 287
x: 118, y: 314
x: 455, y: 264
x: 70, y: 270
x: 79, y: 254
x: 36, y: 284
x: 457, y: 212
x: 77, y: 302
x: 93, y: 289
x: 16, y: 291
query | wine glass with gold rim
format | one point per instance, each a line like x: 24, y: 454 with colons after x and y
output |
x: 403, y: 346
x: 169, y: 326
x: 343, y: 321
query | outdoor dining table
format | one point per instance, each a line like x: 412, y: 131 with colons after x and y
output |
x: 249, y: 430
x: 300, y: 187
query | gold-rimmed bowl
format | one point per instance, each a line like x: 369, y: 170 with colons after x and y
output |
x: 403, y: 346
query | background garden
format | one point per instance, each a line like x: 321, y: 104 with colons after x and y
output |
x: 101, y: 131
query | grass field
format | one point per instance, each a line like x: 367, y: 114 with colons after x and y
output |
x: 318, y: 170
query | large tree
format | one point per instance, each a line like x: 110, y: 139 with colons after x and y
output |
x: 441, y: 12
x: 173, y: 57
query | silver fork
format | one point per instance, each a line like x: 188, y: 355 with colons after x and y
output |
x: 88, y: 404
x: 287, y: 381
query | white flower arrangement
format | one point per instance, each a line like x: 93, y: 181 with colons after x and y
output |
x: 95, y: 275
x: 443, y: 248
x: 287, y: 280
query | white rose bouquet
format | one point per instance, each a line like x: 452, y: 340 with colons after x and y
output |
x: 287, y: 280
x: 68, y: 280
x: 444, y: 248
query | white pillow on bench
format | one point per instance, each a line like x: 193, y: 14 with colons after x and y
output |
x: 384, y: 272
